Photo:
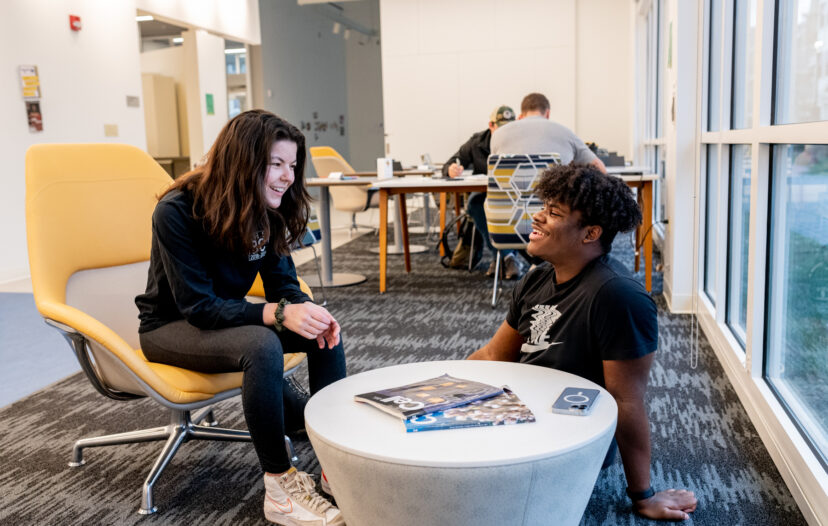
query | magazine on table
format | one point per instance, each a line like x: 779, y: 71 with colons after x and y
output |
x: 428, y: 396
x: 503, y: 409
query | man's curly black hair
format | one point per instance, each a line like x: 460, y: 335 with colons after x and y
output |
x: 603, y: 200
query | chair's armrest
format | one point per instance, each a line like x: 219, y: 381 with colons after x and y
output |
x: 75, y: 321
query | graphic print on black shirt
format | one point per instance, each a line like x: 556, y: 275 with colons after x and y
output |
x: 542, y: 320
x: 261, y: 247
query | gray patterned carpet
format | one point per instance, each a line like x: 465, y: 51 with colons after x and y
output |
x: 702, y: 437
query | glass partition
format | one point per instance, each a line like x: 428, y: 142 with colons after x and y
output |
x: 711, y: 204
x: 796, y: 346
x: 737, y: 257
x: 801, y: 60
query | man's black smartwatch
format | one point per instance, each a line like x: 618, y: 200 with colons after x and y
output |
x: 635, y: 496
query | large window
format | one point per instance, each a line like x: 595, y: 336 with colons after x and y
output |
x: 763, y: 259
x: 797, y: 315
x: 744, y: 36
x: 801, y: 88
x: 714, y: 72
x: 711, y: 223
x: 738, y: 249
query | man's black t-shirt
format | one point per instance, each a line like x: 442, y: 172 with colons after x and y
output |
x: 600, y: 314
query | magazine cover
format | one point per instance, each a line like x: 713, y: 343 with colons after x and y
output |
x: 504, y: 409
x: 428, y: 396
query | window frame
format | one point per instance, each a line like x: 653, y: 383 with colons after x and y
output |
x: 793, y: 455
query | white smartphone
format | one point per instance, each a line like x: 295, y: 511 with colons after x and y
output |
x: 576, y: 401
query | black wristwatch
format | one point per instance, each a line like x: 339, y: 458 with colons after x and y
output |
x: 635, y: 496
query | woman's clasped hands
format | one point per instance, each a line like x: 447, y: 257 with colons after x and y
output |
x: 311, y: 321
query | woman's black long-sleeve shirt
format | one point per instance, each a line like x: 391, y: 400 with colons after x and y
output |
x: 193, y: 279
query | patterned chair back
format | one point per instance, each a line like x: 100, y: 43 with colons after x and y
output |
x: 312, y: 234
x: 510, y: 197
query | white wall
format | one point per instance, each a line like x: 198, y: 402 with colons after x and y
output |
x: 204, y: 72
x: 85, y: 78
x: 364, y: 81
x: 605, y: 74
x: 169, y: 61
x: 303, y: 71
x: 681, y: 162
x: 446, y: 65
x: 234, y: 19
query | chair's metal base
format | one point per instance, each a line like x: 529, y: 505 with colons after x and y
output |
x: 394, y: 250
x: 181, y: 428
x: 338, y: 279
x: 496, y: 280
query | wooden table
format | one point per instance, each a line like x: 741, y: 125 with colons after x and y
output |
x: 400, y: 187
x: 397, y: 173
x: 642, y: 182
x: 644, y: 234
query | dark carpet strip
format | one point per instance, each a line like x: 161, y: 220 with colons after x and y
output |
x: 702, y: 437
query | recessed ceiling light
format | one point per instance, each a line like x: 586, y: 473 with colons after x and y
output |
x: 143, y: 18
x: 178, y: 40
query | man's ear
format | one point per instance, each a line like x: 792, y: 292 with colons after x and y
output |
x: 593, y: 233
x: 546, y: 113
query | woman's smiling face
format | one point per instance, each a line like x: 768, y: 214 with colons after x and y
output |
x: 280, y: 172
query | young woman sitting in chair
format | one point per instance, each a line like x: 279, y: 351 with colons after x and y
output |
x: 213, y: 231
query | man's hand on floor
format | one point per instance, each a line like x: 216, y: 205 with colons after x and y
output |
x: 671, y: 504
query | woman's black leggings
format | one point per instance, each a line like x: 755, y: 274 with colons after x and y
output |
x: 258, y: 352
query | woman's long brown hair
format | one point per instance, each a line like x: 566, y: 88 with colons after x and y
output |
x: 228, y: 190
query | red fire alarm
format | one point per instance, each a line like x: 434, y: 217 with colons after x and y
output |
x: 75, y: 23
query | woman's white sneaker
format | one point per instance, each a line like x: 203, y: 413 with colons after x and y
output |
x: 291, y: 500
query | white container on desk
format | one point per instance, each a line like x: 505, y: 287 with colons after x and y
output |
x: 385, y: 168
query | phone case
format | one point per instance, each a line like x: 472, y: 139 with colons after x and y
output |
x: 576, y: 401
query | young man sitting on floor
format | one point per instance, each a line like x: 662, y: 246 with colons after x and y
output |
x: 581, y: 312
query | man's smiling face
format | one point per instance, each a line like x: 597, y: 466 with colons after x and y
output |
x: 557, y: 233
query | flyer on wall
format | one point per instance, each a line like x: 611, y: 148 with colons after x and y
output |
x: 34, y: 116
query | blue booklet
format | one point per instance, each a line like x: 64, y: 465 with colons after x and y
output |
x: 428, y: 396
x: 504, y: 409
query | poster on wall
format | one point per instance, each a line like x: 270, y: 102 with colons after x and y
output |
x: 210, y: 107
x: 34, y: 116
x: 29, y: 82
x: 30, y: 87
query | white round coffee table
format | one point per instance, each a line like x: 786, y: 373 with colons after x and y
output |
x: 523, y: 474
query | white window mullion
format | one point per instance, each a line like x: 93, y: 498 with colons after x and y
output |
x: 763, y: 64
x: 722, y: 233
x: 757, y: 243
x: 727, y: 66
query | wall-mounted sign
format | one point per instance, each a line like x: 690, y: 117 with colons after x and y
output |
x: 34, y: 116
x: 30, y: 87
x: 29, y: 82
x: 210, y: 108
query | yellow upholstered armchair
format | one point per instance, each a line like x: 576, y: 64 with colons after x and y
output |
x: 88, y: 221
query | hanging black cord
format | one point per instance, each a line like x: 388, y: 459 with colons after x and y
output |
x: 662, y: 222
